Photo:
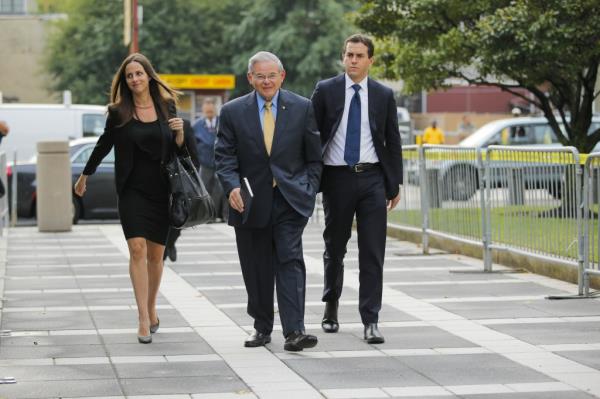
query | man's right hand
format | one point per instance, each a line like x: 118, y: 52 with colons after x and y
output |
x: 235, y: 200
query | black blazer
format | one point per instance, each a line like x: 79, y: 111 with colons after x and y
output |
x: 328, y: 102
x: 114, y: 136
x: 295, y: 159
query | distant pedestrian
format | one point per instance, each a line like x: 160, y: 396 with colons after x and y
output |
x: 4, y: 129
x: 3, y: 132
x: 143, y: 129
x: 433, y: 135
x: 205, y: 130
x: 465, y: 128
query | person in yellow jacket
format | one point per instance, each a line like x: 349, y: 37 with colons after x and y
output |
x: 433, y: 135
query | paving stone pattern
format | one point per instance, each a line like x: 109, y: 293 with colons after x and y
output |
x: 68, y: 325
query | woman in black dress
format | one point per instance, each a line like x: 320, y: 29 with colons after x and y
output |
x: 144, y: 130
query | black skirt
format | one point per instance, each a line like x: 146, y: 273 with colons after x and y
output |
x: 143, y: 216
x: 143, y: 203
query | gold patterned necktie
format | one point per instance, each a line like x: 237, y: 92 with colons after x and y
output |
x: 268, y: 127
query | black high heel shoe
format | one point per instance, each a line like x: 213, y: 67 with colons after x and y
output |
x: 147, y: 339
x: 154, y: 327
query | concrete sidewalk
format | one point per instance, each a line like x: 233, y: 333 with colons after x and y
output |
x: 70, y: 321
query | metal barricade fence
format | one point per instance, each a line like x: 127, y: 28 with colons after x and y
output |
x: 5, y: 198
x: 524, y: 200
x: 408, y: 211
x: 531, y: 200
x: 450, y: 185
x: 591, y: 221
x: 440, y: 193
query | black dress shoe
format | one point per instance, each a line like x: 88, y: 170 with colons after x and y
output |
x: 330, y: 324
x: 298, y: 340
x: 257, y: 339
x: 372, y: 334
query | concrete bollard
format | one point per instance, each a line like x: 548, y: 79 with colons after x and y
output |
x: 54, y: 193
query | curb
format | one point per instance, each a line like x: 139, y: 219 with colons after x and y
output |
x: 557, y: 269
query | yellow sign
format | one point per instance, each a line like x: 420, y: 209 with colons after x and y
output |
x: 199, y: 81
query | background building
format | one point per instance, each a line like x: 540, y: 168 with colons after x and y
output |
x: 23, y: 35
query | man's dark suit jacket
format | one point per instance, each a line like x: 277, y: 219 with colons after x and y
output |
x: 295, y: 160
x: 328, y: 101
x: 190, y: 143
x: 205, y: 143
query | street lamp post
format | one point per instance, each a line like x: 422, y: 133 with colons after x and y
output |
x: 131, y: 25
x: 135, y: 46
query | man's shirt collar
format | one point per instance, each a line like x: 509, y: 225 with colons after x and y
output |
x: 362, y: 83
x: 261, y: 101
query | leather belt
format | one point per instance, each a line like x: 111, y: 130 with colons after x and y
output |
x: 358, y: 168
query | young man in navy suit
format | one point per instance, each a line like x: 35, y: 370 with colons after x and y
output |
x: 362, y: 154
x: 270, y: 138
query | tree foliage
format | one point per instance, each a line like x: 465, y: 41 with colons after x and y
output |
x: 551, y: 48
x: 179, y: 36
x: 187, y: 36
x: 85, y: 50
x: 307, y: 35
x: 195, y: 36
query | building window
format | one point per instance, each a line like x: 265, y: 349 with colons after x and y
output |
x: 13, y: 6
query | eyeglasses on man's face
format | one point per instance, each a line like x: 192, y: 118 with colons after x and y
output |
x: 261, y: 78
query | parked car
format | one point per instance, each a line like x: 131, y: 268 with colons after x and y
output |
x: 529, y: 131
x: 30, y: 123
x: 100, y: 200
x: 460, y: 179
x: 404, y: 125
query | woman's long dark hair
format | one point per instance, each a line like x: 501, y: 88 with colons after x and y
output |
x: 122, y: 99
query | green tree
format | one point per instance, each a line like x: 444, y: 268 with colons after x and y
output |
x: 52, y: 6
x: 179, y: 36
x: 551, y: 48
x: 187, y: 36
x: 85, y: 49
x: 307, y: 35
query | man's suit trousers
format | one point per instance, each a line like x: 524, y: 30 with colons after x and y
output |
x: 274, y: 253
x: 346, y: 193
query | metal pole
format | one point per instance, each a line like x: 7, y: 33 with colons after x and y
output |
x: 585, y: 238
x: 424, y: 200
x: 579, y: 205
x: 486, y: 206
x: 135, y: 37
x: 484, y: 229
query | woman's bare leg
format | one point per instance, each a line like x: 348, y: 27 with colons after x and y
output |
x: 155, y: 270
x: 138, y: 271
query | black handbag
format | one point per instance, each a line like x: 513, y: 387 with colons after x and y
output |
x: 190, y: 203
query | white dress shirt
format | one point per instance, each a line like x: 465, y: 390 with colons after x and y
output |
x: 211, y: 123
x: 334, y: 154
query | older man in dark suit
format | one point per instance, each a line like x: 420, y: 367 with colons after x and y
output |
x: 357, y: 119
x: 270, y: 138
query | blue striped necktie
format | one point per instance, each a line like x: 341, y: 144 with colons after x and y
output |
x: 352, y: 147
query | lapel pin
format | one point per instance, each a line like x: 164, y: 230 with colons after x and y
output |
x: 283, y: 107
